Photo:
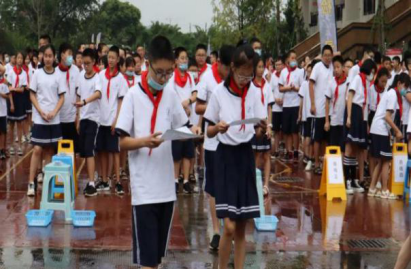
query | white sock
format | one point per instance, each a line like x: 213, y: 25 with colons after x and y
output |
x: 91, y: 183
x: 176, y: 180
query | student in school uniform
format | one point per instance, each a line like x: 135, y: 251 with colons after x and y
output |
x: 289, y: 83
x: 320, y: 78
x: 277, y: 113
x: 114, y: 87
x: 10, y: 65
x: 306, y: 118
x: 201, y: 57
x: 47, y: 96
x: 381, y: 126
x: 137, y: 67
x: 335, y: 104
x: 184, y: 86
x: 404, y: 108
x: 355, y: 123
x: 29, y: 71
x: 130, y: 75
x: 396, y: 66
x: 17, y: 81
x: 262, y: 145
x: 148, y: 111
x: 4, y: 96
x: 235, y: 183
x: 142, y: 52
x: 78, y: 60
x: 88, y: 91
x: 218, y: 73
x: 69, y: 73
x: 348, y: 64
x: 368, y: 53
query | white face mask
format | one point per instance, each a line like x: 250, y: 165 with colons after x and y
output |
x: 370, y: 77
x: 7, y: 59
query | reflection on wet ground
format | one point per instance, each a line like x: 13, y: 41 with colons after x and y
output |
x: 312, y: 233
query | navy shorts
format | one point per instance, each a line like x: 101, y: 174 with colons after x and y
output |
x: 209, y: 161
x: 319, y: 134
x: 277, y: 121
x: 69, y: 132
x: 3, y: 125
x: 87, y: 138
x: 151, y: 226
x: 381, y: 147
x: 106, y: 141
x: 182, y: 149
x: 337, y: 136
x: 46, y: 135
x: 308, y: 127
x: 290, y: 117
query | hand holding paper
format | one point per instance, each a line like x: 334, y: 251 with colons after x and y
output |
x: 254, y: 121
x: 182, y: 133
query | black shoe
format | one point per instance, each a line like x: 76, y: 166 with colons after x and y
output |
x: 90, y: 190
x: 187, y: 188
x: 177, y: 187
x: 119, y: 189
x: 192, y: 178
x: 103, y: 186
x: 215, y: 242
x: 295, y: 156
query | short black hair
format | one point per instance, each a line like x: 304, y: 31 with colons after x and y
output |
x: 226, y: 54
x: 254, y: 40
x: 367, y: 67
x: 89, y: 53
x: 201, y: 47
x: 386, y: 59
x: 396, y: 58
x: 136, y: 55
x: 382, y: 72
x: 280, y: 59
x: 192, y: 62
x: 243, y: 55
x: 291, y: 52
x: 160, y: 49
x: 104, y: 61
x: 77, y: 53
x: 47, y: 37
x: 178, y: 51
x: 327, y: 47
x: 115, y: 49
x: 130, y: 61
x: 63, y: 48
x: 257, y: 60
x: 348, y: 60
x: 338, y: 59
x: 215, y: 53
x: 403, y: 78
x: 121, y: 62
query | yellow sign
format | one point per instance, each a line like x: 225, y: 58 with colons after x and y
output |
x: 67, y: 147
x: 398, y: 168
x: 332, y: 180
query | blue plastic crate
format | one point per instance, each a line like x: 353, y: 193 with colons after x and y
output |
x: 266, y: 223
x: 39, y: 218
x: 83, y: 218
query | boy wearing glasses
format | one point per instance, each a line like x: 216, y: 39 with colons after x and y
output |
x: 148, y: 111
x: 114, y: 87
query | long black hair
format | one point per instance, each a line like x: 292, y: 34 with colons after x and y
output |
x: 243, y: 55
x: 402, y: 78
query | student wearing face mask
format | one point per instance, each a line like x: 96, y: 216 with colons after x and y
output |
x: 257, y: 46
x: 148, y: 111
x: 183, y: 85
x: 130, y: 75
x: 68, y: 72
x: 355, y: 123
x: 137, y: 67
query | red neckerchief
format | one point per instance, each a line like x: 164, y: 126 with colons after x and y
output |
x: 66, y: 69
x: 277, y: 74
x: 360, y: 63
x: 109, y: 77
x: 379, y: 91
x: 26, y: 69
x: 96, y: 69
x: 18, y: 72
x: 216, y: 75
x: 364, y: 84
x: 128, y: 82
x: 289, y: 73
x: 261, y: 87
x: 202, y: 70
x: 181, y: 81
x: 3, y: 80
x: 399, y: 100
x: 154, y: 101
x: 339, y: 81
x: 242, y: 94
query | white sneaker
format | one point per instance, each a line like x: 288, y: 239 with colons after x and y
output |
x: 40, y: 177
x: 309, y: 166
x: 378, y: 186
x: 349, y: 189
x: 30, y: 190
x: 356, y: 186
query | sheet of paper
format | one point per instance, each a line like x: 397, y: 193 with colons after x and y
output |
x: 182, y: 133
x: 246, y: 121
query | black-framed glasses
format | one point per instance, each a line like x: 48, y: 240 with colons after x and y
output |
x: 160, y: 75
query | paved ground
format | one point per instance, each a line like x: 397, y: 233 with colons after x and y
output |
x: 312, y: 233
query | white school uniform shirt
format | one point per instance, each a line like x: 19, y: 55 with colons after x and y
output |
x: 151, y: 176
x: 321, y: 75
x: 379, y: 125
x: 85, y: 88
x: 9, y: 68
x: 373, y: 97
x: 304, y: 94
x: 195, y: 118
x: 47, y: 87
x: 185, y: 92
x: 405, y: 107
x: 205, y: 89
x: 131, y: 82
x: 4, y: 89
x: 291, y: 98
x: 12, y: 77
x: 68, y: 110
x: 337, y: 110
x: 226, y: 106
x: 118, y: 89
x: 359, y: 98
x: 354, y: 71
x: 276, y: 92
x: 268, y: 94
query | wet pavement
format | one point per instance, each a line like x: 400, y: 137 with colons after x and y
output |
x: 312, y: 233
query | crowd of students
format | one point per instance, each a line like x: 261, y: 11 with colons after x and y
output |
x: 115, y: 104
